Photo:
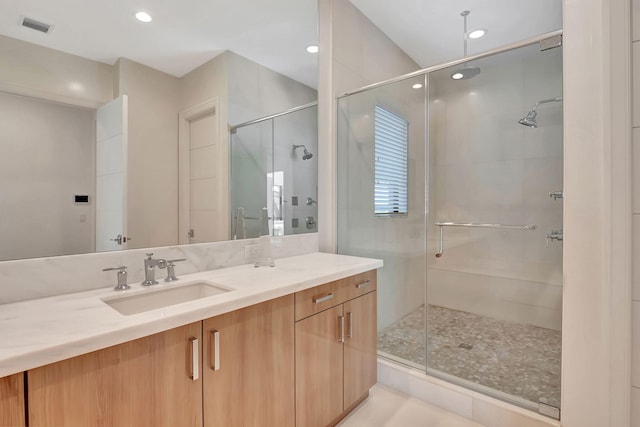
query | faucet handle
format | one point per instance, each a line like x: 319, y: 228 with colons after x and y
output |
x: 121, y: 268
x: 149, y: 255
x: 122, y: 277
x: 171, y: 272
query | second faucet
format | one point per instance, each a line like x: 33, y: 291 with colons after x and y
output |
x: 150, y: 265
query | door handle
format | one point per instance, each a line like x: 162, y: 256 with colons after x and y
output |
x: 120, y: 239
x: 350, y: 317
x: 195, y: 371
x: 318, y: 300
x: 363, y: 284
x: 341, y: 320
x: 215, y: 350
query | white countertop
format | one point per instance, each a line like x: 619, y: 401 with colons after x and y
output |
x: 42, y: 331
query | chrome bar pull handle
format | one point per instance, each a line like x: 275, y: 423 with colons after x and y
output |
x: 441, y: 246
x: 341, y: 319
x: 350, y: 333
x: 215, y: 350
x: 195, y: 371
x: 363, y: 284
x: 318, y: 300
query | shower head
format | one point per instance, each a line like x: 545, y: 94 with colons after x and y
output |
x: 529, y: 119
x: 465, y: 72
x: 306, y: 154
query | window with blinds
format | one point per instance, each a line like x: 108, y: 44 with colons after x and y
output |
x: 391, y: 145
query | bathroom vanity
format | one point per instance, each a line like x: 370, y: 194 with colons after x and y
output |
x: 285, y: 346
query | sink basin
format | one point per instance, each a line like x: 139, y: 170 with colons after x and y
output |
x: 151, y: 300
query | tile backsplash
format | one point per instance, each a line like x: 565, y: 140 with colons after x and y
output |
x: 27, y: 279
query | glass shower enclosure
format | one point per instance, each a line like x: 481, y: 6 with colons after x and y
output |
x: 274, y: 174
x: 471, y: 290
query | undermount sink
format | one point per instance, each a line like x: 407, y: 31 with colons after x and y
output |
x: 151, y: 299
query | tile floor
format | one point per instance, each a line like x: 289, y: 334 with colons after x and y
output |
x: 517, y: 359
x: 389, y: 408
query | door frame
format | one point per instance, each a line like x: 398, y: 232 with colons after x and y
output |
x: 185, y: 117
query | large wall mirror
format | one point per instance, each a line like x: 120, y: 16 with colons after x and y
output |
x: 197, y: 126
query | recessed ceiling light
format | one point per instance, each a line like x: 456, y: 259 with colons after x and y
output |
x: 465, y: 73
x: 417, y: 86
x: 476, y: 34
x: 143, y: 17
x: 313, y: 49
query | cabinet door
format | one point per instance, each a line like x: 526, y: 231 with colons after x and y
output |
x: 360, y: 347
x: 252, y: 383
x: 145, y: 382
x: 319, y: 367
x: 12, y: 400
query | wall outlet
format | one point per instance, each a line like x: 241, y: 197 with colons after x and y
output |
x: 251, y: 252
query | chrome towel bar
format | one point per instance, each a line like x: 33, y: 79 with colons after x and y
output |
x: 476, y: 225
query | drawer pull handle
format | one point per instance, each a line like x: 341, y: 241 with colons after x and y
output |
x: 195, y: 374
x: 318, y: 300
x: 363, y: 284
x: 350, y: 333
x: 341, y: 338
x: 215, y: 350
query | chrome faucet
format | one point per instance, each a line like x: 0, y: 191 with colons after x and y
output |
x: 150, y: 265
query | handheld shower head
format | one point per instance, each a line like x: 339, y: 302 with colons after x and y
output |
x: 306, y: 153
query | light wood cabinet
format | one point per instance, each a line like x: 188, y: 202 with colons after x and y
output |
x: 360, y: 348
x: 248, y: 368
x: 302, y: 360
x: 336, y: 361
x: 145, y: 382
x: 319, y: 365
x: 12, y: 411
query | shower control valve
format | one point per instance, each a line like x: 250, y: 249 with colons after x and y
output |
x: 555, y: 195
x: 556, y: 235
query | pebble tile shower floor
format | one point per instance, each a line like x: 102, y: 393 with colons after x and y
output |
x: 517, y: 359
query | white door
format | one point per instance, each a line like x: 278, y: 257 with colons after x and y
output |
x: 111, y: 176
x: 200, y: 176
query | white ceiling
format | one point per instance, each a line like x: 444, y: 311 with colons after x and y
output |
x: 273, y: 33
x: 430, y: 31
x: 182, y: 36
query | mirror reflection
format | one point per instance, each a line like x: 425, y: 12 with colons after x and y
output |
x: 277, y: 154
x: 115, y: 132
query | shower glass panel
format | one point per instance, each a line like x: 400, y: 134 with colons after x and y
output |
x: 274, y: 175
x: 397, y: 238
x: 251, y: 165
x: 471, y: 290
x: 495, y: 293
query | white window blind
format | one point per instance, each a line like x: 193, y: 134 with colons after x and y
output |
x: 391, y: 144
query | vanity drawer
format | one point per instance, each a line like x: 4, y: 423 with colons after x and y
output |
x: 359, y: 284
x: 314, y: 300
